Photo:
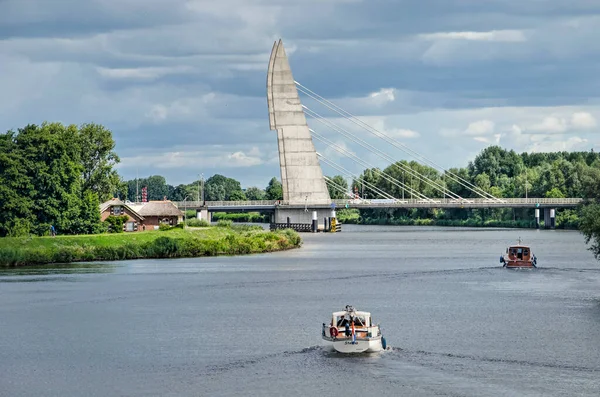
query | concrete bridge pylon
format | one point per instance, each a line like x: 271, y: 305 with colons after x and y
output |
x: 301, y: 174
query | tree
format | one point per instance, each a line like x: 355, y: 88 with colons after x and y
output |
x: 339, y: 190
x: 98, y: 159
x: 54, y: 174
x: 16, y: 189
x: 157, y: 187
x: 214, y: 192
x: 589, y: 225
x: 274, y: 190
x: 219, y: 187
x: 370, y: 176
x: 482, y: 181
x: 237, y: 195
x: 554, y: 193
x: 254, y: 193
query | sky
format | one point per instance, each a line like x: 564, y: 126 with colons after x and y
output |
x: 182, y: 83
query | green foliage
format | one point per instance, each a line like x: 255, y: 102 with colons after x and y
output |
x: 351, y: 215
x: 98, y: 159
x: 554, y: 193
x: 274, y: 190
x: 590, y: 226
x: 224, y: 223
x: 241, y: 239
x: 114, y: 223
x: 338, y: 192
x: 219, y: 188
x: 54, y: 174
x: 195, y: 222
x: 254, y: 193
x: 237, y: 195
x: 241, y: 217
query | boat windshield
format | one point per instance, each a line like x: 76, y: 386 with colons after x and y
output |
x: 359, y: 321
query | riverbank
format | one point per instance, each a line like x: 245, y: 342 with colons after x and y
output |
x: 174, y: 243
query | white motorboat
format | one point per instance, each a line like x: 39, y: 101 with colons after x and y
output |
x: 352, y: 331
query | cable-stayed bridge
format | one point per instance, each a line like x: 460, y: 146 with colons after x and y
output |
x: 305, y: 188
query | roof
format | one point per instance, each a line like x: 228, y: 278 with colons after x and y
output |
x: 159, y: 208
x: 115, y: 201
x: 357, y: 313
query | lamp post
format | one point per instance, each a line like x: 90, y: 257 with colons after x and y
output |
x: 185, y: 210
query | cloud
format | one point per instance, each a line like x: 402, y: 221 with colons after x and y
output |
x: 557, y: 125
x: 494, y: 35
x: 383, y: 95
x: 181, y: 83
x: 481, y: 127
x: 149, y: 73
x: 583, y: 120
x: 196, y: 158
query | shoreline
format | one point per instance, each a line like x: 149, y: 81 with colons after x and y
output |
x: 157, y: 244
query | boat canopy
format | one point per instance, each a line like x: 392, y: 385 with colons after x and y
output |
x: 359, y: 318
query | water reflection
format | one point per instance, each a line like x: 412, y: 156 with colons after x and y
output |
x: 57, y: 272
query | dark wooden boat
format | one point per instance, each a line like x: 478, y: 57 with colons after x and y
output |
x: 517, y: 256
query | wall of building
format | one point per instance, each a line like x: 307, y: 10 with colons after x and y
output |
x: 130, y: 218
x: 152, y: 222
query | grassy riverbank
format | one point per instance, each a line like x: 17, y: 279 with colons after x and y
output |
x: 175, y: 243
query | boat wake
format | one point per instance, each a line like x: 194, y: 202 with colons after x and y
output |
x: 214, y: 369
x: 417, y: 355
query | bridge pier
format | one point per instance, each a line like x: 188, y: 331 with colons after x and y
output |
x: 537, y: 218
x: 300, y: 215
x: 203, y: 213
x: 549, y: 218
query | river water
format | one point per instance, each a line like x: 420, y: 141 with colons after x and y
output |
x: 458, y: 323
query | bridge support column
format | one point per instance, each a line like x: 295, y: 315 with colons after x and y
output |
x: 537, y: 218
x: 203, y: 214
x: 552, y: 218
x: 298, y: 215
x: 315, y: 222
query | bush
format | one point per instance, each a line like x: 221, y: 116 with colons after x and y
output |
x: 194, y: 222
x: 224, y: 223
x: 114, y: 223
x: 163, y: 247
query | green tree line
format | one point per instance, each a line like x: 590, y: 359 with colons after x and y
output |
x: 57, y: 175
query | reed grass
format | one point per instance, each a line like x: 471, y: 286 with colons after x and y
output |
x: 174, y: 243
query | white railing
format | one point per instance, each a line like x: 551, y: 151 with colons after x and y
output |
x: 382, y: 203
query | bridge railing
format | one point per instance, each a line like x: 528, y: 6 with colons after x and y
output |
x: 447, y: 201
x: 393, y: 203
x: 250, y: 203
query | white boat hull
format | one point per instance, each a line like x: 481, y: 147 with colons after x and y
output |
x: 345, y: 345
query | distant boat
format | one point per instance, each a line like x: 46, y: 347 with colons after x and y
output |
x: 517, y: 256
x: 352, y: 331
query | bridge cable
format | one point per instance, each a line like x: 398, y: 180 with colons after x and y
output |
x: 385, y: 137
x: 365, y: 164
x: 389, y: 178
x: 475, y: 189
x: 336, y: 186
x: 358, y: 179
x: 403, y: 167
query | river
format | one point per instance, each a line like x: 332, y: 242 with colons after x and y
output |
x: 458, y: 323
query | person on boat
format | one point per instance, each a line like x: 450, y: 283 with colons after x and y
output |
x: 347, y: 329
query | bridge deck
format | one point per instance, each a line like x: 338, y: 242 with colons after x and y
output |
x: 269, y: 205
